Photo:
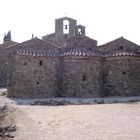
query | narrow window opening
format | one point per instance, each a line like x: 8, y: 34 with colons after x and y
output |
x: 25, y: 63
x: 84, y: 77
x: 40, y: 63
x: 109, y: 85
x: 65, y: 27
x: 103, y: 76
x: 124, y: 73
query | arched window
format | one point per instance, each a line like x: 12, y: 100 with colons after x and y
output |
x: 65, y: 27
x: 79, y: 31
x: 121, y: 46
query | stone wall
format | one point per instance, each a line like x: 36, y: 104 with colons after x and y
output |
x: 33, y: 77
x: 74, y: 76
x: 6, y: 66
x: 3, y: 69
x: 121, y: 76
x: 6, y: 62
x: 81, y: 77
x: 83, y: 42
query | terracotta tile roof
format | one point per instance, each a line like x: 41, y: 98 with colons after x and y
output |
x: 76, y: 46
x: 73, y: 52
x: 49, y: 53
x: 73, y: 47
x: 77, y: 51
x: 61, y: 52
x: 120, y: 53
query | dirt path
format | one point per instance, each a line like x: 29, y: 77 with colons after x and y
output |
x: 75, y: 122
x: 80, y: 122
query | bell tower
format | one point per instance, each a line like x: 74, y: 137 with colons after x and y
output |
x: 65, y: 27
x: 80, y: 30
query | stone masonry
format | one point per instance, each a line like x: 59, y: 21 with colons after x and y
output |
x: 67, y: 63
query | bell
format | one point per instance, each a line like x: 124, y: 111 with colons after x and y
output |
x: 66, y: 26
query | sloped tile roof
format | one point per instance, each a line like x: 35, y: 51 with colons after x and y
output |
x: 117, y: 44
x: 120, y: 39
x: 34, y: 44
x: 77, y: 51
x: 122, y: 53
x: 73, y: 52
x: 8, y: 44
x: 49, y: 53
x: 58, y: 53
x: 76, y: 46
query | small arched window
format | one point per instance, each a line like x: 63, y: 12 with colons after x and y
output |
x: 41, y: 63
x: 79, y: 31
x: 121, y: 46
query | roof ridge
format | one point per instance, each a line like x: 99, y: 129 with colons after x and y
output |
x: 116, y: 40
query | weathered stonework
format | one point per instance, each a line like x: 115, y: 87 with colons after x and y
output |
x: 6, y: 63
x: 121, y: 76
x: 34, y: 77
x: 70, y: 65
x: 81, y: 77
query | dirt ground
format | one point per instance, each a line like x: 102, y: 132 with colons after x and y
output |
x: 78, y: 122
x: 120, y: 121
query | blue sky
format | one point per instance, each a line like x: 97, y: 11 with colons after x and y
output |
x: 105, y: 20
